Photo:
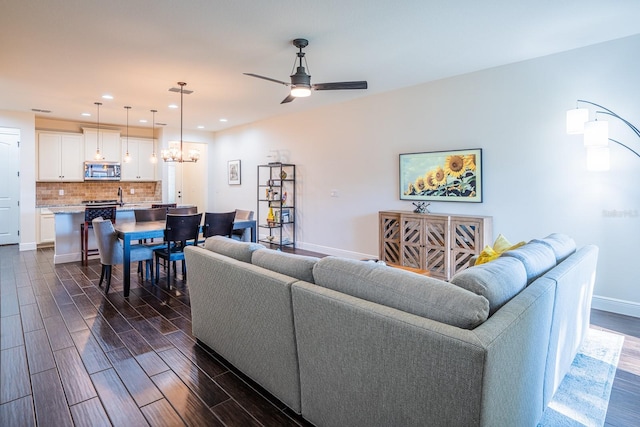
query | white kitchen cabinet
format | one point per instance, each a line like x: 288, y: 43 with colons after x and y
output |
x: 47, y: 231
x: 140, y: 167
x: 109, y: 144
x: 60, y: 156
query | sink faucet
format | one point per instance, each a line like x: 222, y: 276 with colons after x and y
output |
x: 120, y: 196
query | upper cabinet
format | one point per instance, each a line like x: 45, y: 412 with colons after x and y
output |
x: 109, y: 143
x: 60, y: 156
x: 140, y: 167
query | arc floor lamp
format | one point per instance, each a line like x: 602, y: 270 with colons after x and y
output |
x: 596, y: 133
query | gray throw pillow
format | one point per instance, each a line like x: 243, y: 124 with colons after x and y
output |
x: 561, y: 245
x: 537, y: 259
x: 232, y: 248
x: 498, y: 281
x: 403, y: 290
x: 298, y: 266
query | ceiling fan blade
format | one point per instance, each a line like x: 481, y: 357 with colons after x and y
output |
x: 340, y: 85
x: 267, y: 78
x: 289, y: 98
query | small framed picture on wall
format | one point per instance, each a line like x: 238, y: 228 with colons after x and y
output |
x: 233, y: 172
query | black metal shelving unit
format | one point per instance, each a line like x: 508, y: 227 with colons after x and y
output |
x: 277, y: 194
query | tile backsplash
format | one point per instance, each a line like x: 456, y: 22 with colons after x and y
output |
x: 48, y: 193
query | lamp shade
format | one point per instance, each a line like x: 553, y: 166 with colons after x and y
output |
x: 598, y: 159
x: 596, y: 133
x: 576, y: 118
x: 300, y: 91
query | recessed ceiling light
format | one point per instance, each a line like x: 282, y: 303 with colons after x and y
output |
x: 86, y: 114
x: 223, y: 120
x: 173, y: 106
x: 107, y: 96
x: 200, y: 127
x: 143, y: 121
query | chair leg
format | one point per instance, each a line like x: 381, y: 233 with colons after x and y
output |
x: 157, y: 270
x: 108, y: 272
x: 104, y: 267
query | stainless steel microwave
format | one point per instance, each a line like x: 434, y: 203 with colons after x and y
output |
x: 101, y: 171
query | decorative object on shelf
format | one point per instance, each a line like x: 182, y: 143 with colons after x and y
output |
x: 444, y: 176
x: 127, y: 157
x: 98, y: 156
x: 154, y: 157
x: 174, y: 154
x: 233, y: 172
x: 270, y: 217
x: 284, y: 198
x: 421, y: 207
x: 283, y: 174
x: 596, y: 134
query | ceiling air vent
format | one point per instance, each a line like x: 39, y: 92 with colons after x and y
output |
x: 39, y: 110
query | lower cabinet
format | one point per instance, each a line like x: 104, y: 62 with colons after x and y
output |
x: 47, y: 230
x: 440, y: 243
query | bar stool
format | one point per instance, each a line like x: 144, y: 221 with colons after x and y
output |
x: 91, y: 213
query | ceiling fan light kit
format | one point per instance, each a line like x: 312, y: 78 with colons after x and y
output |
x: 301, y: 81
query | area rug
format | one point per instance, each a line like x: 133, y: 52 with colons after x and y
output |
x: 583, y: 396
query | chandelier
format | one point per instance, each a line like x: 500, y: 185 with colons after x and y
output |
x: 175, y: 152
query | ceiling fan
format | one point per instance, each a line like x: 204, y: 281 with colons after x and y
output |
x: 301, y: 81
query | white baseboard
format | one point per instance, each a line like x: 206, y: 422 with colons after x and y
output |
x: 333, y: 251
x: 613, y: 305
x: 32, y: 246
x: 61, y: 259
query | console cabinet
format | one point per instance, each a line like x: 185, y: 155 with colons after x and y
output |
x: 440, y: 243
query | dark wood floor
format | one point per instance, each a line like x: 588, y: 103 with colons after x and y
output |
x: 71, y: 356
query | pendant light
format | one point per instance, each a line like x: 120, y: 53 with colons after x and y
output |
x: 175, y: 154
x: 98, y: 156
x: 154, y: 157
x: 127, y: 157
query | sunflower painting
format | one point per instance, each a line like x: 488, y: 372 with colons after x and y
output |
x: 448, y: 176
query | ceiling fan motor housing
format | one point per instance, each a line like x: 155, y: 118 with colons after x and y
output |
x: 301, y: 78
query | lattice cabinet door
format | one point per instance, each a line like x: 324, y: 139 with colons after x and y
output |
x: 412, y: 237
x: 468, y: 237
x: 436, y: 246
x: 390, y: 238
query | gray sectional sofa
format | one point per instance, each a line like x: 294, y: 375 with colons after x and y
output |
x: 346, y: 342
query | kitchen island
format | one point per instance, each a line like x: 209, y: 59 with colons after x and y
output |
x: 67, y: 229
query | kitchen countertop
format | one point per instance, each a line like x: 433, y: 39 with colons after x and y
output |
x: 80, y: 208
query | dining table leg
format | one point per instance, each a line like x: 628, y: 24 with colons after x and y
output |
x: 126, y: 264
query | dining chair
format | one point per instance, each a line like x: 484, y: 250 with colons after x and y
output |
x: 152, y: 214
x: 183, y: 211
x: 111, y: 250
x: 241, y: 215
x: 90, y: 213
x: 218, y: 224
x: 181, y: 230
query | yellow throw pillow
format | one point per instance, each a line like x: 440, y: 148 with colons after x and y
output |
x: 500, y: 246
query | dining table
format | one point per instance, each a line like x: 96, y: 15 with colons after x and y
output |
x: 133, y: 231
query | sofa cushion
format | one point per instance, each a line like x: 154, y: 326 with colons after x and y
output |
x: 298, y: 266
x: 403, y: 290
x: 232, y: 248
x: 538, y: 258
x: 497, y: 281
x: 561, y: 244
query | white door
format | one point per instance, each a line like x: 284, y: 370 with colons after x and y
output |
x: 191, y: 179
x: 10, y: 188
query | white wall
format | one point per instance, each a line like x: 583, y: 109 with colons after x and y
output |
x: 535, y: 180
x: 26, y: 123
